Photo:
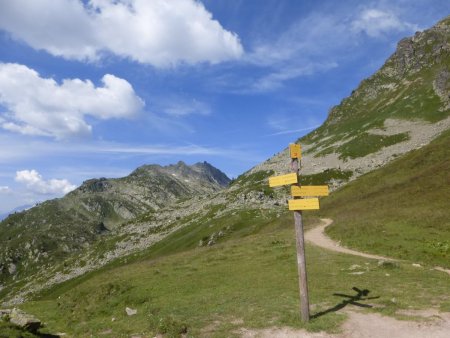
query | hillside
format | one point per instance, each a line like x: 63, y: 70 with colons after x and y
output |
x: 403, y: 106
x: 55, y: 229
x: 401, y: 209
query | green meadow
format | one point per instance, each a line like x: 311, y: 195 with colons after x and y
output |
x: 248, y: 281
x: 401, y: 210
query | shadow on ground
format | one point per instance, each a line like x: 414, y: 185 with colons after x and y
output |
x: 361, y: 295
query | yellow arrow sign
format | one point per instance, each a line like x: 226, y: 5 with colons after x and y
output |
x: 276, y: 181
x: 304, y: 204
x: 309, y: 190
x: 295, y: 151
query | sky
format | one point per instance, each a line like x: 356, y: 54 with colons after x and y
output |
x: 96, y: 88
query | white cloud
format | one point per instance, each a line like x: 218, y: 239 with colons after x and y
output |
x: 36, y: 184
x: 294, y: 131
x: 179, y: 108
x: 41, y: 106
x: 318, y: 42
x: 276, y: 79
x: 307, y: 47
x: 5, y: 189
x: 158, y: 32
x: 16, y: 149
x: 375, y: 22
x: 308, y: 39
x: 284, y: 123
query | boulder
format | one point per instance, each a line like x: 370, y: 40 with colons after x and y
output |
x: 24, y: 320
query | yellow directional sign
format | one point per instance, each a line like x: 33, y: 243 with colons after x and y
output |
x: 304, y: 204
x: 276, y: 181
x: 295, y: 150
x: 309, y: 190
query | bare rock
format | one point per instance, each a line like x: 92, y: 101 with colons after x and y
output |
x: 441, y: 86
x: 130, y: 311
x: 24, y: 320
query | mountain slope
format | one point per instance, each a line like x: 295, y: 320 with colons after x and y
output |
x: 57, y: 228
x: 401, y: 209
x: 403, y: 106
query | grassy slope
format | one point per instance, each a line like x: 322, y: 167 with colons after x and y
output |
x: 405, y: 95
x: 401, y: 210
x: 248, y: 280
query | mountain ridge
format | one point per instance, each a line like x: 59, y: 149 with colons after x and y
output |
x: 57, y: 228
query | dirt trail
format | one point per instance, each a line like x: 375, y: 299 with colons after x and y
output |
x: 367, y: 325
x: 360, y: 324
x: 318, y: 237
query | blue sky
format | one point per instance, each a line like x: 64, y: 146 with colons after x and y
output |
x: 96, y: 88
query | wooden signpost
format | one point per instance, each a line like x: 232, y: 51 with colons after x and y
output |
x: 297, y: 205
x: 309, y: 190
x: 304, y: 204
x: 276, y: 181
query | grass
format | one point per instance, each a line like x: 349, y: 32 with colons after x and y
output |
x: 243, y: 282
x: 326, y: 177
x: 400, y: 210
x: 8, y: 330
x: 365, y: 144
x: 251, y: 182
x: 235, y: 224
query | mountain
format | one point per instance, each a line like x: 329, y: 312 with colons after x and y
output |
x: 402, y: 107
x: 54, y: 229
x: 18, y: 209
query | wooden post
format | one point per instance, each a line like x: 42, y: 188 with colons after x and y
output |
x: 301, y: 261
x: 297, y: 206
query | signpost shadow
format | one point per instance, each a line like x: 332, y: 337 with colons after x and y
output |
x: 361, y: 295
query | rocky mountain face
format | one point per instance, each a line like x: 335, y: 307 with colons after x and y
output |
x: 403, y: 106
x: 57, y: 228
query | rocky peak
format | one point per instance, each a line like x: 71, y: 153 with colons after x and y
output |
x: 419, y: 65
x: 423, y: 50
x: 95, y: 185
x: 211, y: 173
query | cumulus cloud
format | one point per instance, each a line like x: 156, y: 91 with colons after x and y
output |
x: 42, y: 106
x: 375, y: 22
x: 158, y: 32
x: 35, y: 183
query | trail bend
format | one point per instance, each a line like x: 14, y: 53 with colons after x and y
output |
x: 318, y: 237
